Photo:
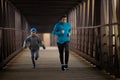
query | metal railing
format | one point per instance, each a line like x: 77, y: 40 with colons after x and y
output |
x: 11, y: 41
x: 100, y: 45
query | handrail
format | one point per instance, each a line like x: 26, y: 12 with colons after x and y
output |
x: 98, y: 26
x: 11, y: 29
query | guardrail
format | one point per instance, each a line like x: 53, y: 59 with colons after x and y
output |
x: 11, y: 41
x: 100, y: 45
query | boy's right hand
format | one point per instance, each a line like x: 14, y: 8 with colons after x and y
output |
x: 24, y: 47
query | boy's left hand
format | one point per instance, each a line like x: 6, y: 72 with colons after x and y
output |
x: 44, y: 47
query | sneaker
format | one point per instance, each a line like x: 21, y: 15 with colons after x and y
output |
x: 34, y: 67
x: 36, y: 58
x: 62, y: 68
x: 66, y: 66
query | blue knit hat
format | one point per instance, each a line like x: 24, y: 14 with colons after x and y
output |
x: 33, y: 29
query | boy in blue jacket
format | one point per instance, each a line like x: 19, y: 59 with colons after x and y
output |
x: 33, y: 42
x: 63, y: 31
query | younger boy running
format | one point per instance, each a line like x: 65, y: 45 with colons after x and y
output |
x: 33, y: 42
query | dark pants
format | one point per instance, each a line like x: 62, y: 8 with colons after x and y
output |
x: 63, y: 48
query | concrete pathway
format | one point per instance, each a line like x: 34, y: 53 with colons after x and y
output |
x: 48, y: 68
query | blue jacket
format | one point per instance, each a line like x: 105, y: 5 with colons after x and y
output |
x: 61, y: 38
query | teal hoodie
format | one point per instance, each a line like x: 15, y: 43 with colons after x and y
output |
x: 61, y: 38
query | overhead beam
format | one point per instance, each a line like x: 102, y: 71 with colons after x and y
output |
x: 44, y: 12
x: 46, y: 1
